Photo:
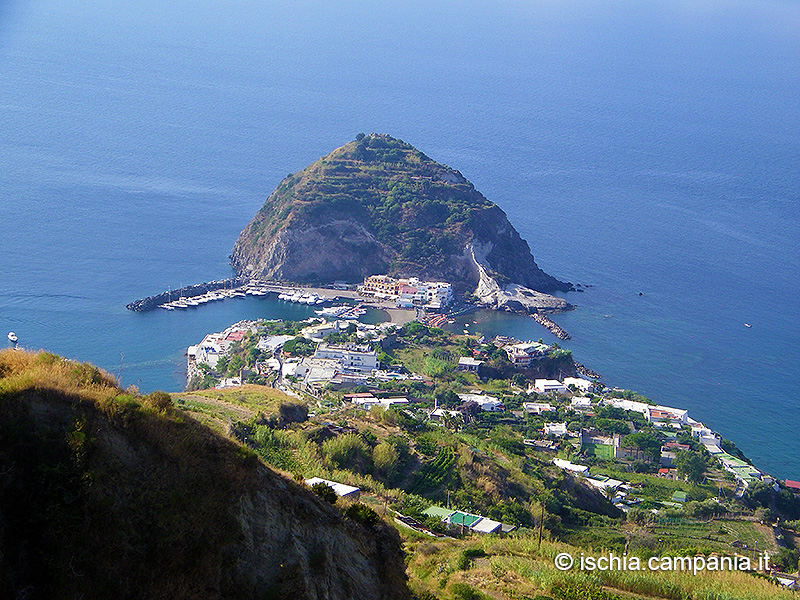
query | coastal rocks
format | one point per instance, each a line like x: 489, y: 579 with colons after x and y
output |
x: 511, y: 297
x: 551, y: 326
x: 342, y: 249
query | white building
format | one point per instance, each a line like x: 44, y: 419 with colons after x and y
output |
x: 487, y: 403
x: 558, y: 429
x: 667, y: 415
x: 523, y: 354
x: 432, y: 294
x: 369, y: 402
x: 581, y: 403
x: 342, y: 490
x: 352, y: 357
x: 584, y: 385
x: 216, y: 345
x: 631, y: 405
x: 468, y: 364
x: 439, y: 414
x: 537, y: 408
x: 571, y: 467
x: 318, y: 331
x: 549, y: 386
x: 271, y: 343
x: 314, y: 370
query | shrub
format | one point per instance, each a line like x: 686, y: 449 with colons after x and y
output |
x: 160, y: 401
x: 346, y: 452
x: 324, y: 491
x: 463, y: 591
x: 385, y: 457
x: 292, y: 413
x: 363, y: 514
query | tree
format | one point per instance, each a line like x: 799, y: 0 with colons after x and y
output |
x: 691, y: 465
x: 385, y: 457
x: 645, y: 441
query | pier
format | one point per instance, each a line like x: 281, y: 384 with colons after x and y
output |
x: 153, y: 302
x: 552, y: 327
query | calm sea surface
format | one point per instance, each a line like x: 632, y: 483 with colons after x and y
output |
x: 639, y: 147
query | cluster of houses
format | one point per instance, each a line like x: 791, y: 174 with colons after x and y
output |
x: 520, y: 354
x: 408, y: 293
x: 214, y: 347
x: 346, y: 363
x: 670, y: 420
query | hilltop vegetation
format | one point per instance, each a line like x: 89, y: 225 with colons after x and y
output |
x: 378, y: 205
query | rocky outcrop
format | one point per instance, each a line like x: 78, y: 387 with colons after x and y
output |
x: 510, y: 297
x: 378, y: 205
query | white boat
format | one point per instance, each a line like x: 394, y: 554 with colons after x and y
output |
x: 296, y: 297
x: 12, y: 337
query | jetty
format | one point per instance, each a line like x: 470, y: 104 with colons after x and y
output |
x: 552, y: 327
x: 192, y: 291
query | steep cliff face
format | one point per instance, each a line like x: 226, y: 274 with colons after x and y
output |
x: 109, y: 495
x: 378, y: 205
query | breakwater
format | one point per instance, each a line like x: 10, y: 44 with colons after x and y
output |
x: 153, y: 302
x: 552, y: 327
x: 585, y: 371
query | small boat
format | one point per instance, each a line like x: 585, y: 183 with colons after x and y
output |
x: 747, y: 325
x: 12, y: 337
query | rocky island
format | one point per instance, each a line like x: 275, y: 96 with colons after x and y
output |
x: 379, y: 205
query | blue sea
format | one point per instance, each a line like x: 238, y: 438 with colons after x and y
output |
x: 649, y: 150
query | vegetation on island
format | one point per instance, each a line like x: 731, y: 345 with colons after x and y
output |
x: 378, y: 205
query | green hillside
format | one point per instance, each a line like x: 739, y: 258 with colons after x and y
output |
x: 378, y: 205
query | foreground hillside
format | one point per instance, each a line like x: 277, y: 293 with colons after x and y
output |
x: 108, y: 494
x: 378, y: 205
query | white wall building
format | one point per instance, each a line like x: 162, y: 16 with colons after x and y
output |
x: 487, y: 403
x: 537, y: 408
x: 342, y: 490
x: 549, y: 386
x: 352, y: 357
x: 581, y: 403
x: 559, y: 429
x: 571, y: 467
x: 584, y: 385
x: 525, y: 353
